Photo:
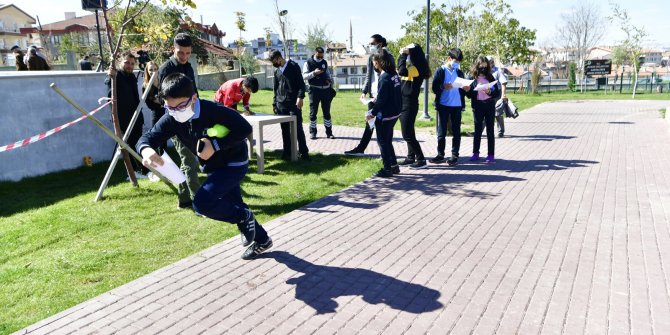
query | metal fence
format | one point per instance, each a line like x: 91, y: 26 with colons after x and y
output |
x: 646, y: 84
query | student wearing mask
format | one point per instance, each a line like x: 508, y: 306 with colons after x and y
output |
x: 483, y: 106
x: 224, y: 159
x: 386, y: 110
x: 499, y: 75
x: 315, y: 71
x: 289, y: 92
x: 413, y: 69
x: 233, y: 91
x: 377, y: 45
x: 178, y: 63
x: 449, y: 102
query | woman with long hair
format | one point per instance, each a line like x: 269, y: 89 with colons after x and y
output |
x: 386, y: 110
x: 483, y: 105
x: 153, y: 102
x: 413, y: 69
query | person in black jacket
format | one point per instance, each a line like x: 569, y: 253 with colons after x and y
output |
x: 127, y: 100
x: 178, y: 63
x: 413, y: 69
x: 386, y: 110
x: 484, y: 107
x: 224, y: 159
x: 377, y: 43
x: 315, y: 71
x: 289, y: 92
x: 449, y: 102
x: 18, y: 56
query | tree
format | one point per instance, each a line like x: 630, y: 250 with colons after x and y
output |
x: 571, y: 76
x: 505, y: 37
x: 451, y: 26
x: 447, y: 26
x: 115, y: 50
x: 317, y: 36
x: 630, y: 49
x: 248, y: 63
x: 581, y: 30
x: 241, y: 25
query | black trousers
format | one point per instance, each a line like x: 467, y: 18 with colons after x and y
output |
x: 319, y: 96
x: 286, y: 131
x: 410, y: 109
x: 385, y: 141
x: 367, y: 133
x: 484, y: 113
x: 444, y: 115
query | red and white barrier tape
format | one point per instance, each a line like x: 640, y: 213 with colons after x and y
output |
x: 38, y: 137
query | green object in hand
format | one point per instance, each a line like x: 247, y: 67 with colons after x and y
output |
x: 218, y: 131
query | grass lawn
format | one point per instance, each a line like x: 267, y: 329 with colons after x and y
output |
x: 59, y: 248
x: 346, y: 109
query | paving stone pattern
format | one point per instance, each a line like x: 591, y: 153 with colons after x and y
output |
x: 567, y: 233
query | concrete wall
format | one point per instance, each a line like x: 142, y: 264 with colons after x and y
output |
x: 29, y: 107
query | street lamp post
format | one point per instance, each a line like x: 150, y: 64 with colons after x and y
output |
x: 282, y: 22
x: 426, y: 116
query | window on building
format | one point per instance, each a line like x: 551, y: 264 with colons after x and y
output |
x: 2, y: 43
x: 345, y: 70
x: 364, y: 69
x: 354, y: 70
x: 2, y: 25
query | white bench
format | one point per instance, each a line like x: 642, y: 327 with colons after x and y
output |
x: 257, y: 122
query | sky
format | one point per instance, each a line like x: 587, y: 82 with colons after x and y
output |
x: 378, y: 16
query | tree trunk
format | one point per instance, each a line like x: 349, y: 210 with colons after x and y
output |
x: 635, y: 85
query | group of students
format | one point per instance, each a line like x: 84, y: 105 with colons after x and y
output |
x: 179, y: 114
x: 395, y: 93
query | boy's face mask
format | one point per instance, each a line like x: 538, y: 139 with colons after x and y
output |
x: 181, y: 112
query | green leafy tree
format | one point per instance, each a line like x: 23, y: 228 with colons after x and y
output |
x: 317, y: 36
x: 73, y: 42
x: 447, y: 28
x: 496, y: 33
x: 629, y: 50
x: 571, y: 76
x: 248, y: 63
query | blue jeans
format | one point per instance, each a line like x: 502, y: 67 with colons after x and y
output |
x: 220, y: 198
x: 385, y: 141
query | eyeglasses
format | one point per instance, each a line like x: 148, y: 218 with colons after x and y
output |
x: 182, y: 106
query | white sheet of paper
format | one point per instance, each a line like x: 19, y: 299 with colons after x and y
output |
x: 482, y: 87
x: 170, y: 170
x: 366, y: 101
x: 370, y: 122
x: 460, y: 82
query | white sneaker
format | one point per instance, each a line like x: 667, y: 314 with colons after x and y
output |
x: 140, y: 176
x: 152, y: 177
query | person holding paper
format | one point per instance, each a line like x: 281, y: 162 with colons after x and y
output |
x: 484, y: 106
x: 499, y: 76
x: 413, y: 69
x: 222, y: 156
x: 386, y: 110
x: 449, y: 88
x: 377, y: 45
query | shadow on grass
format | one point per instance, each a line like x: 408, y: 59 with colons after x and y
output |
x: 41, y: 191
x: 320, y: 285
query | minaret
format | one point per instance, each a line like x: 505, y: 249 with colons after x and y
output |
x: 351, y: 37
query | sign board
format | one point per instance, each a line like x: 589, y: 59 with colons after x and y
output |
x: 598, y: 67
x: 93, y: 5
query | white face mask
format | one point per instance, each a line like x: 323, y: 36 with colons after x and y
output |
x: 373, y: 49
x: 183, y: 115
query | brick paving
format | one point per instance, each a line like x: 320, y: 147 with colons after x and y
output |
x: 568, y: 233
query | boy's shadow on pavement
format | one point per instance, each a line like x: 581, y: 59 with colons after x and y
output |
x: 320, y: 285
